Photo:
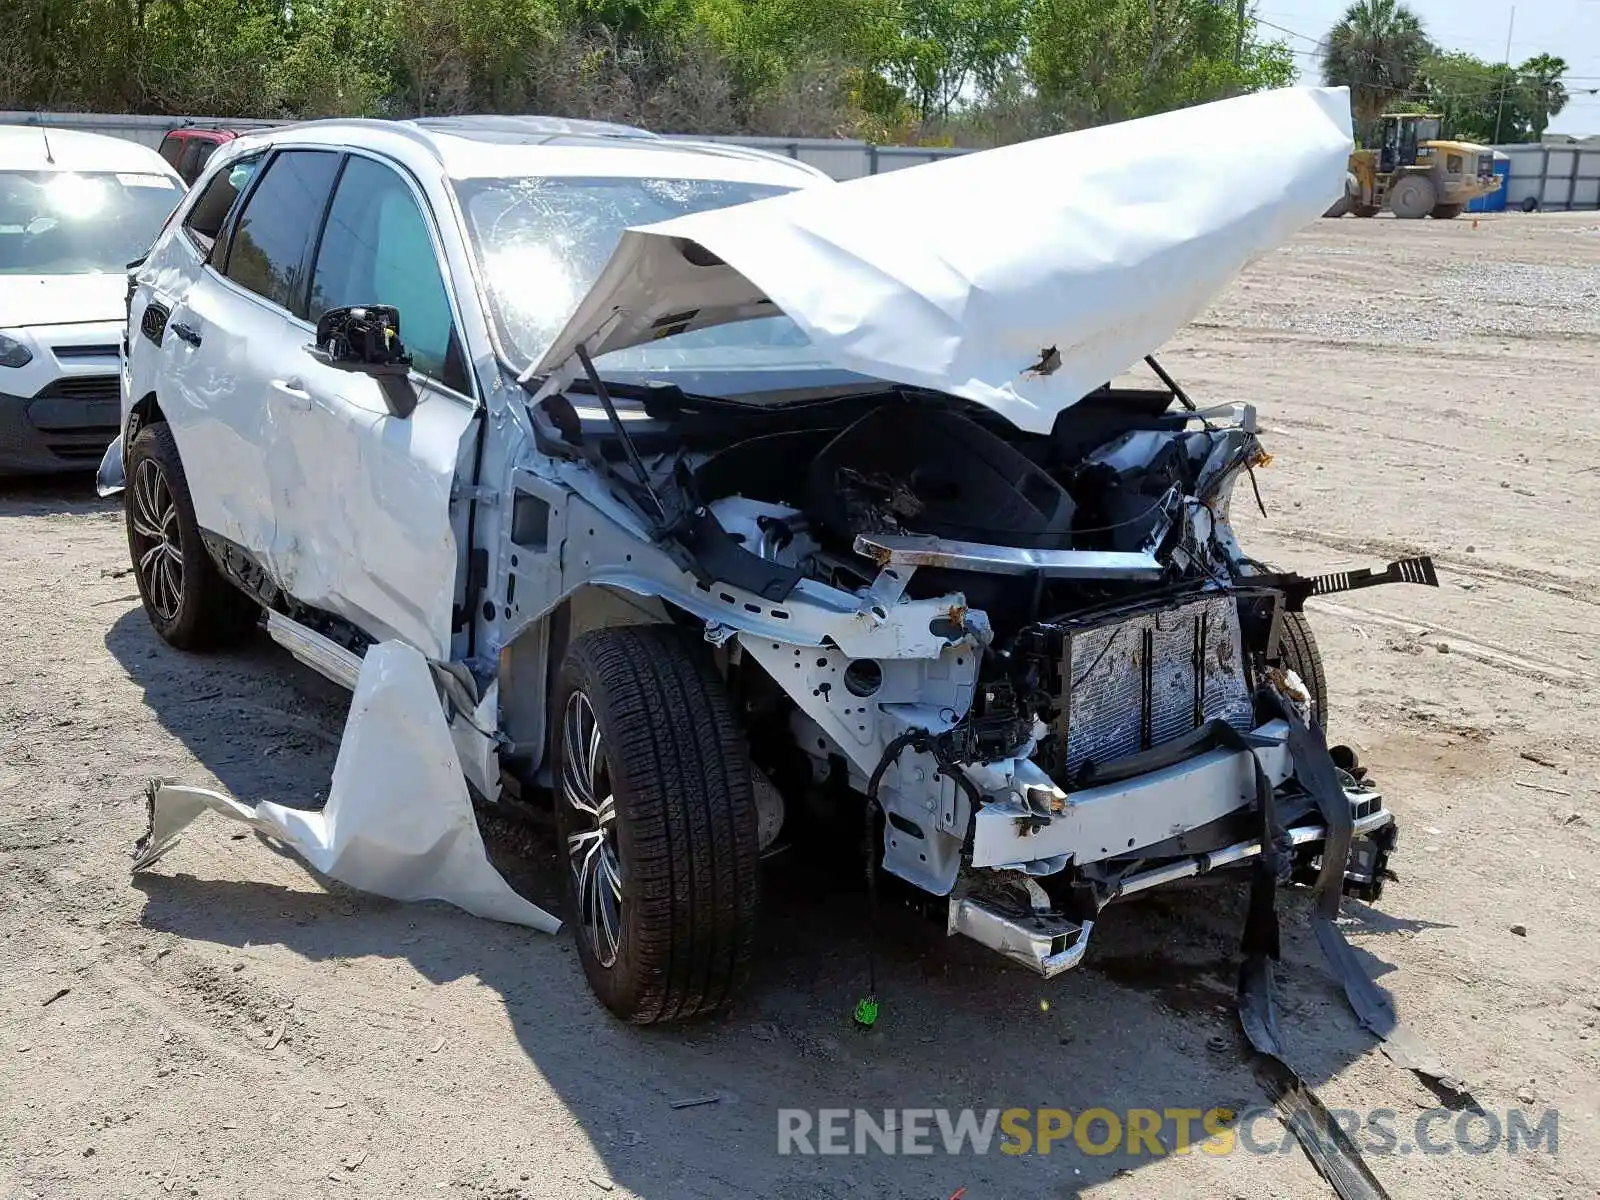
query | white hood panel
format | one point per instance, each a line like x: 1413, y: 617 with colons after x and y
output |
x: 30, y: 300
x: 959, y: 275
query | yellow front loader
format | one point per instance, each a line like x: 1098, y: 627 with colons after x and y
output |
x: 1414, y: 173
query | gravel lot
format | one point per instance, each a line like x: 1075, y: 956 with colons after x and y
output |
x: 230, y: 1026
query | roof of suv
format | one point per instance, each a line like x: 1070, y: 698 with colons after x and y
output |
x: 501, y: 146
x: 33, y: 147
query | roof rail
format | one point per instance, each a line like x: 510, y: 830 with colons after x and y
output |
x: 531, y: 125
x: 740, y: 150
x: 406, y: 129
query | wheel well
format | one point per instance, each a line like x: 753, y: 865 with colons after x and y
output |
x: 146, y: 411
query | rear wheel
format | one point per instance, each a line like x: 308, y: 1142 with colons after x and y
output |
x: 656, y: 816
x: 1412, y: 197
x: 1447, y: 212
x: 190, y: 604
x: 1364, y: 210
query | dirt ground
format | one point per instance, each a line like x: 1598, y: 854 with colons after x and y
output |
x: 232, y: 1027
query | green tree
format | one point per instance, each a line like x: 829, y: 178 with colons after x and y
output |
x: 1107, y: 60
x: 945, y: 51
x: 1484, y: 102
x: 1376, y: 50
x: 1545, y: 93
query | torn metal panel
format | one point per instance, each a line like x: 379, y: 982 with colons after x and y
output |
x: 1021, y: 277
x: 398, y: 821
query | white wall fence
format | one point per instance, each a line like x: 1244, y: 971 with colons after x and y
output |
x: 1557, y: 177
x: 841, y: 159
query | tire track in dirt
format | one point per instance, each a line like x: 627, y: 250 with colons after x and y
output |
x: 1461, y: 643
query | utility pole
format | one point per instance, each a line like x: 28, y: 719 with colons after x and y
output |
x: 1238, y: 36
x: 1505, y: 78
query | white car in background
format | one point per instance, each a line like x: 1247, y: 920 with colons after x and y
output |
x: 75, y: 210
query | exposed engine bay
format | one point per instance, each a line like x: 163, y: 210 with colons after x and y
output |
x: 1043, y: 658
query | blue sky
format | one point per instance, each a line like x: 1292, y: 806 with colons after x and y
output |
x: 1570, y: 28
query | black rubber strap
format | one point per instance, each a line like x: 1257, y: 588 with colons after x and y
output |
x: 1331, y: 1151
x: 1314, y: 767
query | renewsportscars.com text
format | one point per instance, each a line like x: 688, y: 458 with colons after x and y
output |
x: 1150, y: 1132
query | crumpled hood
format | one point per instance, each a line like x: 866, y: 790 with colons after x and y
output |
x: 61, y: 299
x: 1021, y: 278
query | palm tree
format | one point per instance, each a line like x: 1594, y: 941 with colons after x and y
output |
x: 1375, y: 50
x: 1547, y: 95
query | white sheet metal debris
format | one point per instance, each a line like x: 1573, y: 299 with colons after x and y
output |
x: 1022, y: 277
x: 398, y: 821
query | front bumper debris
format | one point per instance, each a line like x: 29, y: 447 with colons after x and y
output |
x: 1044, y: 942
x: 1049, y: 942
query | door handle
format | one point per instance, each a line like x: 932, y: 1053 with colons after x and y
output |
x: 294, y: 390
x: 184, y: 332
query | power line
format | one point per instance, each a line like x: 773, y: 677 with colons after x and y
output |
x: 1320, y: 42
x: 1291, y: 32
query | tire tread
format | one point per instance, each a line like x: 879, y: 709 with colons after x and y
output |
x: 680, y: 771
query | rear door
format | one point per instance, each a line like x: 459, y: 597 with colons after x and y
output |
x: 235, y: 336
x: 366, y: 528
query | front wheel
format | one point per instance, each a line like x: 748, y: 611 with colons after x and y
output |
x: 188, y: 602
x: 1447, y: 212
x: 657, y: 822
x: 1412, y: 197
x: 1297, y: 649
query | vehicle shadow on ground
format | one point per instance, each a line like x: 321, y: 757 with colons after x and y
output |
x: 43, y: 495
x: 265, y: 727
x: 1147, y: 1023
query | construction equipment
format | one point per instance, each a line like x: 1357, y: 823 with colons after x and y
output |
x: 1414, y: 173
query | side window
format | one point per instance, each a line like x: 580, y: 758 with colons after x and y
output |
x: 172, y: 148
x: 188, y: 164
x: 272, y: 239
x: 376, y: 250
x: 205, y: 219
x: 203, y: 156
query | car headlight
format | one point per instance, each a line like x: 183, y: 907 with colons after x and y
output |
x: 13, y: 353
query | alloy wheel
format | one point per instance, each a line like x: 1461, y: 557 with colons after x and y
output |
x: 592, y: 829
x: 157, y: 539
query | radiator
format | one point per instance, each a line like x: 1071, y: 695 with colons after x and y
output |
x: 1133, y: 682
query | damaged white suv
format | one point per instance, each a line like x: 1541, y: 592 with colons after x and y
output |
x: 725, y: 499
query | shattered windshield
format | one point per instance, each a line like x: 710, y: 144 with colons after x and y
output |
x: 544, y: 241
x: 80, y: 223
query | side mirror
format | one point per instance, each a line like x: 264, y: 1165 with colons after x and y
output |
x: 363, y: 338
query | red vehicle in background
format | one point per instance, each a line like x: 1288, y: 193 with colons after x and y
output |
x: 188, y: 149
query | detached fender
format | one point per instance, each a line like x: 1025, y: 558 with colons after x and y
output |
x: 111, y: 478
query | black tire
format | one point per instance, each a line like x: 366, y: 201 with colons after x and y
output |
x: 1364, y: 210
x: 187, y: 600
x: 1412, y: 197
x: 1447, y: 212
x: 1297, y: 650
x: 680, y: 887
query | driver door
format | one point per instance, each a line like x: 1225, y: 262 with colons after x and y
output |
x: 370, y: 533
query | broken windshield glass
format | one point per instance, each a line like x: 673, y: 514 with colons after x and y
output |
x: 543, y: 242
